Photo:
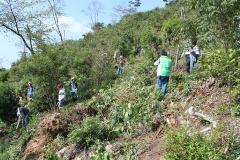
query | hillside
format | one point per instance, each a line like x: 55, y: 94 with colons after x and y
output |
x: 137, y: 120
x: 125, y: 116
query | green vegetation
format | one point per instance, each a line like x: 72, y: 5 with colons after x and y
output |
x: 4, y: 74
x: 127, y: 105
x: 180, y: 145
x: 8, y: 100
x: 91, y: 131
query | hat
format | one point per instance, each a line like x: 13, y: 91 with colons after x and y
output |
x: 72, y: 78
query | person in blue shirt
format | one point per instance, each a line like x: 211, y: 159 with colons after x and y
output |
x: 73, y: 88
x: 29, y: 91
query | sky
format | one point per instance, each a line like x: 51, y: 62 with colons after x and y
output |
x: 75, y: 23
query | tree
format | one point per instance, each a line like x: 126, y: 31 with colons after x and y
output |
x: 124, y: 11
x: 218, y: 20
x: 4, y: 74
x: 168, y: 1
x: 25, y: 19
x: 97, y: 26
x: 93, y: 11
x: 135, y: 3
x: 56, y: 13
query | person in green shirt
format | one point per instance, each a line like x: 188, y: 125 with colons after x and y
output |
x: 164, y: 65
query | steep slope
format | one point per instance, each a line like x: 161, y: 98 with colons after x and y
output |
x: 136, y: 110
x: 140, y: 118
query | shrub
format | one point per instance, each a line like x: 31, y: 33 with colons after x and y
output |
x: 8, y: 100
x: 180, y: 145
x: 91, y: 131
x: 235, y: 110
x: 222, y: 65
x: 226, y: 67
x: 2, y: 124
x: 50, y: 156
x: 4, y: 74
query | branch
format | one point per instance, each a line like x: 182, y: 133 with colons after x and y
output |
x: 192, y: 111
x: 56, y: 20
x: 30, y: 36
x: 17, y: 31
x: 19, y: 35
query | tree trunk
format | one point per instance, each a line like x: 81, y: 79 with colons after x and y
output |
x: 177, y: 57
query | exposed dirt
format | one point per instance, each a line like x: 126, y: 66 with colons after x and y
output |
x: 35, y: 147
x: 151, y: 147
x: 47, y: 129
x: 125, y: 96
x: 206, y: 97
x: 78, y: 114
x: 52, y: 125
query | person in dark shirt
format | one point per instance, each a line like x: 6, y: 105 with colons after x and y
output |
x: 23, y: 114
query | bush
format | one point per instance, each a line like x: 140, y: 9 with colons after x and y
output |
x: 4, y: 74
x: 91, y: 131
x: 235, y: 110
x: 85, y: 87
x: 226, y: 67
x: 180, y: 145
x: 222, y: 65
x: 2, y: 124
x: 51, y: 156
x: 8, y: 101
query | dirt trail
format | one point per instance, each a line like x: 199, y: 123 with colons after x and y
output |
x: 211, y: 98
x: 152, y: 148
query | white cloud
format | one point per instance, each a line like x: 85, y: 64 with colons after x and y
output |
x: 72, y: 27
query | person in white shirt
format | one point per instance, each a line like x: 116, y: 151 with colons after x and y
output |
x: 195, y: 51
x: 61, y: 95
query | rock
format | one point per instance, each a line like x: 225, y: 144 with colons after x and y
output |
x: 210, y: 82
x: 68, y: 152
x: 109, y: 148
x: 115, y: 148
x: 84, y: 155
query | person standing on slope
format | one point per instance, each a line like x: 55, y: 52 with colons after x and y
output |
x: 120, y: 64
x: 23, y: 116
x: 61, y: 95
x: 73, y: 86
x: 29, y: 91
x: 195, y: 51
x: 164, y: 65
x: 194, y: 55
x: 187, y: 55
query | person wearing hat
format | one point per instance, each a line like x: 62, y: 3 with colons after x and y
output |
x: 73, y: 88
x: 120, y: 65
x: 61, y: 95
